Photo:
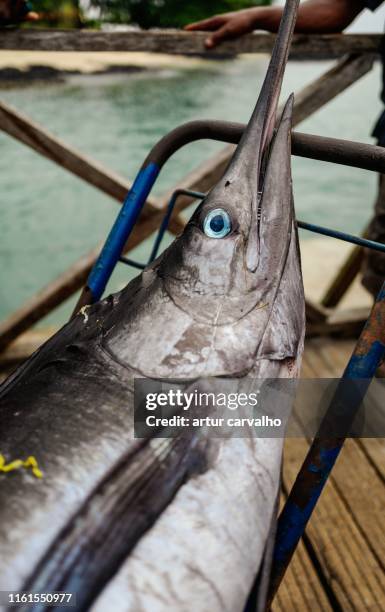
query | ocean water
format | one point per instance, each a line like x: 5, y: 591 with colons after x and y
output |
x: 50, y: 218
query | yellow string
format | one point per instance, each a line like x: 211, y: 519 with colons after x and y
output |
x: 30, y: 462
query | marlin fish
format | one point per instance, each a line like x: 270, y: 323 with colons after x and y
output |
x: 181, y: 523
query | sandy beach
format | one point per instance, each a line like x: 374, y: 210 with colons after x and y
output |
x: 92, y: 62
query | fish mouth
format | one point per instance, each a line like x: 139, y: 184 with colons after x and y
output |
x: 252, y: 158
x: 260, y: 131
x: 256, y: 190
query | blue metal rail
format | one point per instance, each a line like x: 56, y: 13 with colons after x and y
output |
x: 325, y: 449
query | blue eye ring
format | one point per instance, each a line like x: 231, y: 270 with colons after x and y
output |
x: 217, y: 223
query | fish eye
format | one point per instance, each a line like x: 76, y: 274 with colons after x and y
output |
x: 217, y: 223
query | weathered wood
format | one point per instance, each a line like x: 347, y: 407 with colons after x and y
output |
x: 31, y: 134
x: 346, y: 558
x: 40, y: 140
x: 329, y: 85
x: 344, y: 278
x: 347, y: 323
x: 315, y: 313
x: 358, y: 481
x: 374, y: 449
x: 345, y: 532
x: 301, y: 588
x: 179, y: 42
x: 70, y: 281
x: 326, y: 358
x: 333, y: 354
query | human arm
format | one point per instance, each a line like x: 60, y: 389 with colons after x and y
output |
x: 314, y: 16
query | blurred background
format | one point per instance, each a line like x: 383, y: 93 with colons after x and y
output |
x: 114, y: 107
x: 144, y: 13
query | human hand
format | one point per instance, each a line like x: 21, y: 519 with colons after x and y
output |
x: 314, y: 17
x: 232, y: 25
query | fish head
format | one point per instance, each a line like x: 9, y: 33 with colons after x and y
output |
x: 231, y: 256
x: 228, y: 290
x: 238, y: 258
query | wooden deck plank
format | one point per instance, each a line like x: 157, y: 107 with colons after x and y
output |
x: 363, y: 493
x: 179, y: 42
x: 346, y: 529
x: 353, y: 572
x: 337, y: 354
x: 301, y: 588
x: 374, y: 449
x: 326, y: 357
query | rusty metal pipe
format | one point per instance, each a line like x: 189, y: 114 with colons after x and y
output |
x: 333, y: 150
x: 323, y: 453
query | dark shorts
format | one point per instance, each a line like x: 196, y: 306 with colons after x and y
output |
x: 374, y: 261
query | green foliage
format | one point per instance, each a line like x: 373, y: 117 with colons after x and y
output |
x: 58, y: 13
x: 168, y: 13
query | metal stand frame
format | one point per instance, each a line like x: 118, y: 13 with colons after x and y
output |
x: 368, y: 354
x: 344, y: 152
x: 369, y: 351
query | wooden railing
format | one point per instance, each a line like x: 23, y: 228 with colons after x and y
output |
x: 179, y: 42
x: 358, y: 55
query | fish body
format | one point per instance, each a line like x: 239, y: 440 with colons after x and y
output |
x: 179, y: 523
